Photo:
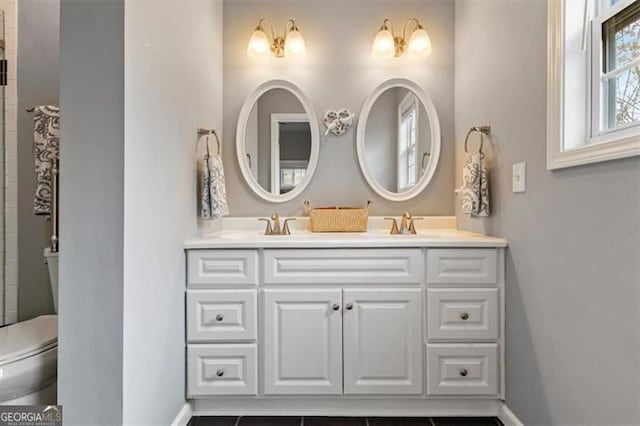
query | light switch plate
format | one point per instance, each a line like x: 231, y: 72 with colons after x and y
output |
x: 519, y: 177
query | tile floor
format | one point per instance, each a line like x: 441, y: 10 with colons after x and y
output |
x: 344, y: 421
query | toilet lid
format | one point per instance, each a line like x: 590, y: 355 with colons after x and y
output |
x: 27, y: 337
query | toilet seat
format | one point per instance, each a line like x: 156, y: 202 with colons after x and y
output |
x: 28, y: 338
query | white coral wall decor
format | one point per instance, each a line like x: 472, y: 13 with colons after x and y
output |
x: 338, y: 122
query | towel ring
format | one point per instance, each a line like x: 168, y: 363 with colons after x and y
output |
x: 207, y: 133
x: 424, y: 157
x: 483, y: 130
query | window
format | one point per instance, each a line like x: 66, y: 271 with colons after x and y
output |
x: 593, y: 81
x: 291, y: 174
x: 407, y: 142
x: 616, y: 68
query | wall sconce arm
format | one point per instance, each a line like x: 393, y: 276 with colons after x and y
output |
x: 417, y: 26
x: 260, y: 27
x: 290, y: 26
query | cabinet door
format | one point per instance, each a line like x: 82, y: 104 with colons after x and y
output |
x: 382, y: 341
x: 302, y: 342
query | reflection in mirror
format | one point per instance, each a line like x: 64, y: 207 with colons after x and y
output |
x: 397, y: 140
x: 278, y: 141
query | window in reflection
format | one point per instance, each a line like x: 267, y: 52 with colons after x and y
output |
x: 291, y: 174
x: 407, y: 142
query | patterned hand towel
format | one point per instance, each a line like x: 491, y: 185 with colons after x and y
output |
x: 214, y: 193
x: 475, y: 186
x: 46, y: 148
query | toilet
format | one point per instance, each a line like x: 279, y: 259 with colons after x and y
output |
x: 29, y: 354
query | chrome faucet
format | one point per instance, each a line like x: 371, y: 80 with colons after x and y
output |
x: 273, y: 225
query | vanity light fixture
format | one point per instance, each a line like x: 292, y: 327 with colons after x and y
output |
x: 290, y: 45
x: 387, y: 45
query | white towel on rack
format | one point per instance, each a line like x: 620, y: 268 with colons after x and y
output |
x: 46, y: 151
x: 474, y: 191
x: 213, y: 187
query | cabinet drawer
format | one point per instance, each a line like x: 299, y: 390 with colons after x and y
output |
x: 210, y: 268
x: 462, y: 266
x: 218, y: 315
x: 229, y: 369
x: 467, y: 313
x: 470, y: 369
x: 344, y: 266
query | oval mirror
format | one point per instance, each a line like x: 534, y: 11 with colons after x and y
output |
x: 398, y: 139
x: 277, y: 141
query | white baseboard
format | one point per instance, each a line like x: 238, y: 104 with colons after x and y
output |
x: 346, y: 406
x: 184, y: 415
x: 443, y: 408
x: 507, y: 417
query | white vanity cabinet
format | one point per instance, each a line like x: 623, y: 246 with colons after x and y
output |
x: 465, y: 317
x: 342, y: 336
x: 351, y: 341
x: 382, y: 341
x: 363, y: 323
x: 302, y: 341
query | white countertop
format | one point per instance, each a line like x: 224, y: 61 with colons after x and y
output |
x: 372, y: 238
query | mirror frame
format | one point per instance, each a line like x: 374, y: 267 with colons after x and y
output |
x: 241, y: 134
x: 434, y: 123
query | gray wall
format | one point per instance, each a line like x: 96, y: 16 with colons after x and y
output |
x: 339, y: 72
x: 381, y: 149
x: 160, y: 194
x: 38, y: 84
x: 121, y: 353
x: 251, y: 142
x: 91, y: 215
x: 274, y: 101
x: 573, y: 351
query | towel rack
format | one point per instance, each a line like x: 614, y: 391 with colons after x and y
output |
x: 206, y: 132
x: 483, y: 130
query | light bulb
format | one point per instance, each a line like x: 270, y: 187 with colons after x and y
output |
x: 294, y: 45
x: 420, y: 43
x: 383, y: 45
x: 258, y: 47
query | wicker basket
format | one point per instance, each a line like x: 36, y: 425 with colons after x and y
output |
x: 338, y: 219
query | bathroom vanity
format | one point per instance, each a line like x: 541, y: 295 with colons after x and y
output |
x: 345, y: 324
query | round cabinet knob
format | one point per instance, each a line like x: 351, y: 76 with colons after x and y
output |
x: 464, y: 372
x: 220, y: 373
x: 336, y: 307
x: 219, y: 317
x: 349, y: 306
x: 464, y: 316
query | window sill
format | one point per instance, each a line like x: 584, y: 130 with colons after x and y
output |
x: 604, y: 151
